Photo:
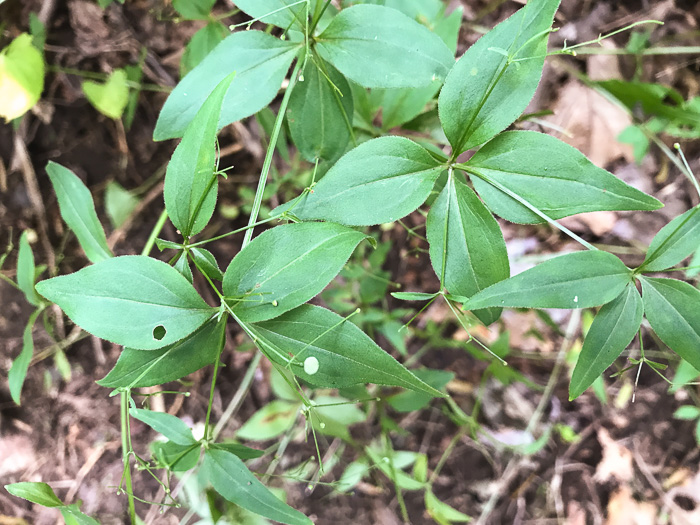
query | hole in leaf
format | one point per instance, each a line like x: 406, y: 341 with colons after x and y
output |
x: 685, y: 502
x: 159, y: 332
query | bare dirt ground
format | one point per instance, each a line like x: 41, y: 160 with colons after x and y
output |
x: 631, y: 462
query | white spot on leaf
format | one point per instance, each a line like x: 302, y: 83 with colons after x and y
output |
x: 311, y: 365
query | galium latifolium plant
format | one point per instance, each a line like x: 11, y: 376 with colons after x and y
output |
x: 347, y: 65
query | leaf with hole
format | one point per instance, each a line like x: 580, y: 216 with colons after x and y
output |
x: 260, y: 62
x: 551, y: 175
x: 674, y: 242
x: 486, y: 91
x: 170, y: 426
x: 320, y: 112
x: 142, y: 368
x: 612, y: 330
x: 232, y: 479
x: 344, y: 355
x: 378, y: 47
x: 190, y: 180
x: 78, y: 211
x: 671, y: 307
x: 131, y: 300
x: 467, y: 249
x: 286, y: 266
x: 575, y: 280
x: 380, y: 181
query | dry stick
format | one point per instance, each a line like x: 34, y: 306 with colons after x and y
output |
x: 514, y: 464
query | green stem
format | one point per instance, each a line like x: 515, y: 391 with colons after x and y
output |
x: 126, y: 455
x: 269, y: 154
x: 155, y: 232
x: 211, y: 393
x: 239, y: 230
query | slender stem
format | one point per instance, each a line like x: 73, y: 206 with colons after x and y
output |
x: 239, y: 230
x: 154, y: 233
x: 670, y: 50
x: 270, y: 151
x: 211, y: 392
x: 126, y: 456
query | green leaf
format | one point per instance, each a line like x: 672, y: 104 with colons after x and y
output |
x: 441, y: 512
x: 170, y: 426
x: 21, y: 77
x: 687, y: 412
x: 671, y: 307
x: 206, y: 262
x: 194, y: 9
x: 119, y: 203
x: 260, y: 62
x: 276, y: 12
x: 201, y: 44
x: 575, y: 280
x: 239, y: 450
x: 26, y: 271
x: 551, y: 175
x: 413, y: 296
x: 190, y: 181
x: 409, y: 401
x: 182, y: 265
x: 72, y: 515
x: 285, y: 267
x: 612, y: 330
x: 676, y: 241
x: 272, y: 420
x: 333, y: 416
x: 141, y: 368
x: 178, y: 458
x: 109, y: 98
x: 232, y: 479
x: 485, y: 91
x: 380, y: 181
x: 18, y: 370
x: 39, y: 493
x: 377, y: 47
x: 466, y: 244
x: 131, y: 301
x: 78, y: 211
x: 320, y: 113
x: 341, y: 354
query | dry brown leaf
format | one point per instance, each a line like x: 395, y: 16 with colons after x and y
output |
x: 575, y: 515
x: 597, y: 222
x: 616, y: 463
x: 623, y: 509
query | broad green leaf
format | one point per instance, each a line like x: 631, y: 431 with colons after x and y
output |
x: 575, y: 280
x: 239, y: 450
x: 612, y: 330
x: 72, y: 515
x: 26, y: 270
x: 232, y: 479
x: 18, y: 370
x: 320, y: 113
x: 260, y: 62
x: 201, y: 44
x: 21, y: 77
x: 380, y: 181
x: 413, y: 296
x: 486, y: 91
x: 378, y: 47
x: 333, y: 416
x: 206, y: 262
x: 132, y: 300
x: 467, y: 249
x: 441, y: 512
x: 190, y: 180
x: 78, y: 211
x: 141, y: 368
x: 676, y: 241
x: 119, y: 203
x: 194, y: 9
x: 272, y: 420
x: 178, y: 458
x: 551, y: 175
x: 170, y: 426
x: 109, y: 98
x: 427, y: 10
x: 282, y: 13
x: 39, y: 493
x: 286, y: 266
x: 687, y: 412
x: 330, y: 352
x: 671, y: 307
